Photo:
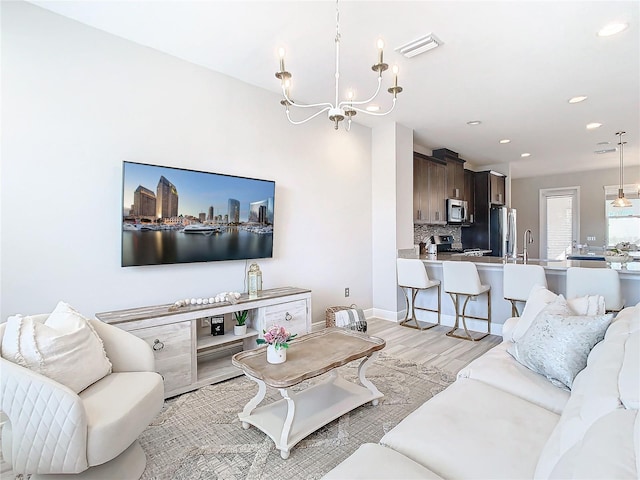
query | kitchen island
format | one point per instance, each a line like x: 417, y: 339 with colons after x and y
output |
x: 490, y: 270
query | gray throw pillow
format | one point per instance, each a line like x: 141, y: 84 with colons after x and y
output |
x: 557, y: 345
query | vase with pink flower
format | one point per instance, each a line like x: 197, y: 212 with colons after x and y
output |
x: 277, y: 339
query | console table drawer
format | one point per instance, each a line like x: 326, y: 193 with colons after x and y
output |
x: 291, y: 315
x: 172, y: 350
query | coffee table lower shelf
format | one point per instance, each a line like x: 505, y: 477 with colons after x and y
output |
x: 309, y: 409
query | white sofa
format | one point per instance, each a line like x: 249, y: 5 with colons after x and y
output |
x: 502, y: 420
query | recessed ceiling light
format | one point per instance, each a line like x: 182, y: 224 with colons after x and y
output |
x: 505, y: 140
x: 578, y: 99
x: 524, y: 155
x: 603, y: 143
x: 591, y: 126
x: 612, y: 29
x: 373, y: 108
x: 474, y: 122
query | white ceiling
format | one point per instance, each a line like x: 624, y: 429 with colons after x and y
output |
x: 511, y: 64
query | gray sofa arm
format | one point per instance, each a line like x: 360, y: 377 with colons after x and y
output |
x: 126, y: 352
x: 47, y: 423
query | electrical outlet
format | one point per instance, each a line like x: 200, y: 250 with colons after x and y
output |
x: 346, y: 292
x: 205, y: 322
x: 591, y: 239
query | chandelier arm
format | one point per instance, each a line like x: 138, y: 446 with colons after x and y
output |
x: 377, y: 114
x: 299, y: 122
x: 348, y: 103
x: 303, y: 105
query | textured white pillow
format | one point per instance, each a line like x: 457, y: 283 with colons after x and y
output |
x: 540, y: 297
x: 558, y: 343
x: 64, y: 348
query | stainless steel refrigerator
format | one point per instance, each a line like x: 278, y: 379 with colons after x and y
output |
x: 502, y: 232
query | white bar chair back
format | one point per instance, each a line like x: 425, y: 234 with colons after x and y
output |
x: 518, y: 280
x: 413, y: 277
x: 596, y: 281
x: 461, y: 279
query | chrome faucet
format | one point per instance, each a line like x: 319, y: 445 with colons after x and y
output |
x: 528, y: 238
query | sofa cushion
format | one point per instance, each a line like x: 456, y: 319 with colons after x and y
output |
x: 473, y: 430
x: 609, y: 449
x: 596, y: 392
x: 500, y: 370
x: 375, y: 462
x: 540, y: 297
x: 118, y: 408
x: 55, y: 344
x: 558, y: 343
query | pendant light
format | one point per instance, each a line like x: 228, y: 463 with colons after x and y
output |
x: 621, y: 201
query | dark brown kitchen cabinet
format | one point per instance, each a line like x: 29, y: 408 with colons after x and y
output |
x: 496, y: 189
x: 469, y: 195
x: 429, y: 177
x: 489, y: 189
x: 455, y: 173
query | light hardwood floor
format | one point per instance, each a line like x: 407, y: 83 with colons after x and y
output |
x: 429, y: 346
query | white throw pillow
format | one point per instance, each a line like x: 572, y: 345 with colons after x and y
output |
x: 64, y: 347
x: 558, y: 342
x: 540, y: 297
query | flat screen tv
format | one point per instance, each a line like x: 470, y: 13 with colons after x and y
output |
x: 173, y: 215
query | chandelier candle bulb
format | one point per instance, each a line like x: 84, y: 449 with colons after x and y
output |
x: 380, y: 47
x: 395, y: 72
x: 281, y: 55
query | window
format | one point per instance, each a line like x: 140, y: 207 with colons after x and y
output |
x: 559, y: 221
x: 623, y: 224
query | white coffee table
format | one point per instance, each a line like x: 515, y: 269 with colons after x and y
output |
x: 299, y: 414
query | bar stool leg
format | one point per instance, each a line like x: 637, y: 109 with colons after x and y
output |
x: 469, y: 335
x: 414, y: 294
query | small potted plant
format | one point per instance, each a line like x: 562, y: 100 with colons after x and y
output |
x: 240, y: 328
x: 277, y: 340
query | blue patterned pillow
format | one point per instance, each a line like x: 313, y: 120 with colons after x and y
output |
x: 557, y: 345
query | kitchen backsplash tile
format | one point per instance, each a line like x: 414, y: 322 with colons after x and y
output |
x: 423, y: 233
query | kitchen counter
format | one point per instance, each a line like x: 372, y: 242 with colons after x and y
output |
x: 631, y: 268
x: 490, y: 271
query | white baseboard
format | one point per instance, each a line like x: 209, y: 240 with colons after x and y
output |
x: 446, y: 320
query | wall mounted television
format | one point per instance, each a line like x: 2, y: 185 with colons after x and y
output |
x: 173, y: 215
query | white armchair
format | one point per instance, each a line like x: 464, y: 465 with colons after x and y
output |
x: 91, y: 434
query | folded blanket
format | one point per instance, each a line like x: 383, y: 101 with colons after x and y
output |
x: 352, y: 319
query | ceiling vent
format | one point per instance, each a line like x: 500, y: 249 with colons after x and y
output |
x: 605, y: 150
x: 420, y: 45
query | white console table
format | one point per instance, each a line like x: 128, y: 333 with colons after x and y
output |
x: 188, y: 356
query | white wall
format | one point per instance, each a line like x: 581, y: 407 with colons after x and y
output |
x: 392, y: 201
x: 77, y: 102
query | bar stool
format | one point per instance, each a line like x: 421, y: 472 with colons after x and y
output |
x: 461, y: 278
x: 518, y: 280
x: 412, y: 275
x: 596, y: 281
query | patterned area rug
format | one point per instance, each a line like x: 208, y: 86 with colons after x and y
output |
x: 198, y: 434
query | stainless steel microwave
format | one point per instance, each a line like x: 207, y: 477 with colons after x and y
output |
x: 457, y: 211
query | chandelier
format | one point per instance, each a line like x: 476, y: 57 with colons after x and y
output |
x: 348, y: 108
x: 621, y: 201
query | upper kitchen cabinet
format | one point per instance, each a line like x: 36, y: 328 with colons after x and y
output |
x: 454, y: 183
x: 496, y: 189
x: 489, y: 189
x: 429, y: 184
x: 469, y: 194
